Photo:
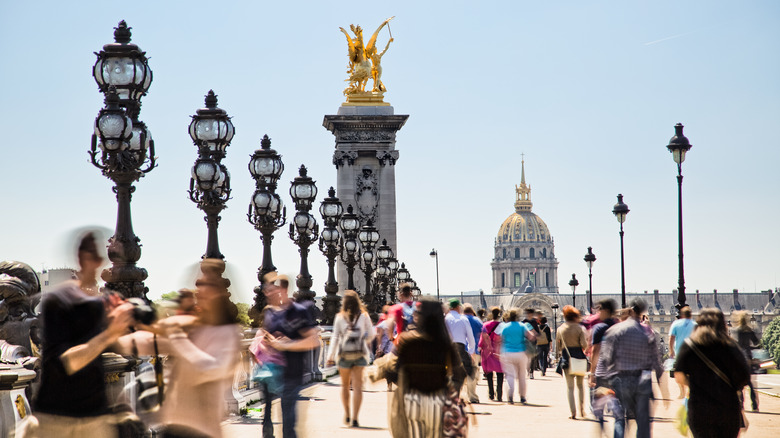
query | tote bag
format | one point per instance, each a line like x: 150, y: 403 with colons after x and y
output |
x: 577, y: 367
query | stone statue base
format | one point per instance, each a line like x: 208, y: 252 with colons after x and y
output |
x: 366, y: 98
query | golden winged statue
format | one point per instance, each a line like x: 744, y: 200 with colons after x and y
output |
x: 365, y: 61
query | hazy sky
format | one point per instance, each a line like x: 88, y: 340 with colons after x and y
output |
x: 589, y: 91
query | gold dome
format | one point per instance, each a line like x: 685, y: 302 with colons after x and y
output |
x: 523, y: 225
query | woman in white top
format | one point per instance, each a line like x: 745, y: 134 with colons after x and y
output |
x: 352, y: 330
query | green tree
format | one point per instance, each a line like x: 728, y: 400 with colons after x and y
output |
x: 169, y: 296
x: 243, y: 314
x: 771, y: 339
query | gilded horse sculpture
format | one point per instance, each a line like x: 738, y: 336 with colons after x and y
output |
x: 365, y: 60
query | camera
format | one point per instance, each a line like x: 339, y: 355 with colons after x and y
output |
x: 143, y: 312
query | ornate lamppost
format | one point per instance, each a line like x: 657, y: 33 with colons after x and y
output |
x: 621, y: 211
x: 589, y: 259
x: 303, y: 229
x: 574, y: 283
x: 330, y: 245
x: 350, y: 225
x: 402, y: 276
x: 266, y: 210
x: 211, y: 131
x: 384, y: 254
x: 122, y: 148
x: 555, y: 322
x: 435, y: 254
x: 368, y: 237
x: 393, y: 281
x: 679, y: 146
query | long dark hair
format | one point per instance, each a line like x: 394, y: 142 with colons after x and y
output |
x: 430, y: 321
x: 352, y: 307
x: 711, y: 328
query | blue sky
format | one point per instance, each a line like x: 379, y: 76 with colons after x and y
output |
x: 589, y: 91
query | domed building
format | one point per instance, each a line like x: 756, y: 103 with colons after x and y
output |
x: 524, y: 259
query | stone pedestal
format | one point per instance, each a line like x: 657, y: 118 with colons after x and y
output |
x: 14, y: 406
x: 365, y: 158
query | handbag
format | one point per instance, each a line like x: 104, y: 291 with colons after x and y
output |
x: 681, y: 419
x: 743, y: 422
x: 455, y: 422
x: 269, y: 374
x: 577, y: 367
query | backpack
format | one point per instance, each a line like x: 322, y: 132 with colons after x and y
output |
x: 351, y: 347
x: 408, y: 315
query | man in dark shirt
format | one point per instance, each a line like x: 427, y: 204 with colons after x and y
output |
x: 530, y: 319
x: 71, y: 400
x: 598, y: 373
x: 292, y: 330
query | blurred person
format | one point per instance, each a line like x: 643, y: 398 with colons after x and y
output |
x: 462, y: 337
x: 186, y: 302
x: 401, y: 314
x: 427, y: 360
x: 490, y: 347
x: 599, y: 376
x: 571, y: 343
x: 632, y: 354
x: 476, y: 329
x: 514, y: 360
x: 712, y: 365
x: 384, y: 332
x: 543, y: 343
x: 352, y: 330
x: 680, y: 330
x: 530, y: 318
x: 71, y: 401
x: 747, y: 341
x: 293, y: 331
x: 605, y: 403
x: 482, y: 314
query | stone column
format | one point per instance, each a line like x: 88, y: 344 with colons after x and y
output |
x: 365, y: 158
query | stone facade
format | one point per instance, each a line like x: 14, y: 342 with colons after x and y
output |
x: 365, y: 159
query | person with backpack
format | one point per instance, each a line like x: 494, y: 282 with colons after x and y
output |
x: 543, y: 343
x: 352, y: 331
x: 402, y: 314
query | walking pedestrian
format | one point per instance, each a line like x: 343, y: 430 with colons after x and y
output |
x: 543, y: 343
x: 711, y: 364
x: 632, y: 353
x: 352, y: 331
x: 462, y: 336
x: 71, y: 401
x: 680, y: 330
x: 476, y: 329
x: 490, y: 347
x: 427, y: 360
x: 571, y: 343
x: 401, y: 314
x: 514, y: 361
x: 747, y: 341
x: 599, y: 375
x: 530, y: 319
x: 293, y: 331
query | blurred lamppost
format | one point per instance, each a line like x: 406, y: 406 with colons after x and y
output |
x: 211, y: 131
x: 393, y: 283
x: 403, y: 276
x: 122, y: 148
x: 350, y: 225
x: 266, y: 210
x: 368, y: 237
x: 574, y: 283
x: 303, y: 229
x: 330, y: 245
x: 678, y: 146
x: 384, y: 254
x: 555, y: 322
x: 589, y: 259
x: 621, y: 211
x: 435, y: 254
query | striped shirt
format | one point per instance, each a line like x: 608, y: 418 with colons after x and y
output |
x: 628, y: 346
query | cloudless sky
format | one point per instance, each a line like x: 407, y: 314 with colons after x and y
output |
x: 589, y: 91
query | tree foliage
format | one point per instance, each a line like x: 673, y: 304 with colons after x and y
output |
x: 243, y: 314
x: 771, y: 339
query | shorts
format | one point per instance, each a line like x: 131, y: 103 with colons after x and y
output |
x: 349, y: 363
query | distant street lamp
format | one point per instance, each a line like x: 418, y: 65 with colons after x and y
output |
x: 555, y: 322
x: 403, y: 276
x: 589, y: 259
x: 122, y: 148
x: 678, y: 146
x: 435, y: 254
x: 330, y: 245
x: 211, y: 131
x: 266, y: 210
x: 384, y: 255
x: 621, y: 211
x: 368, y: 237
x: 303, y: 230
x: 574, y: 283
x: 350, y: 225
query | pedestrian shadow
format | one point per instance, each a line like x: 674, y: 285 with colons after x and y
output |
x: 364, y: 428
x: 532, y: 405
x: 762, y: 413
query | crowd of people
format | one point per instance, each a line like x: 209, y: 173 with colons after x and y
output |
x: 432, y: 355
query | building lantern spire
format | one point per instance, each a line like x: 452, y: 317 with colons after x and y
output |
x: 523, y: 191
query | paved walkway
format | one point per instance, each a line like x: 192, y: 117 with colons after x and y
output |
x: 545, y: 415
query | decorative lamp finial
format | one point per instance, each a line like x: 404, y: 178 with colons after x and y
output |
x: 211, y: 100
x: 122, y: 33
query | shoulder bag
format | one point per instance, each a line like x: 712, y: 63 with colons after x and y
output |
x: 577, y: 367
